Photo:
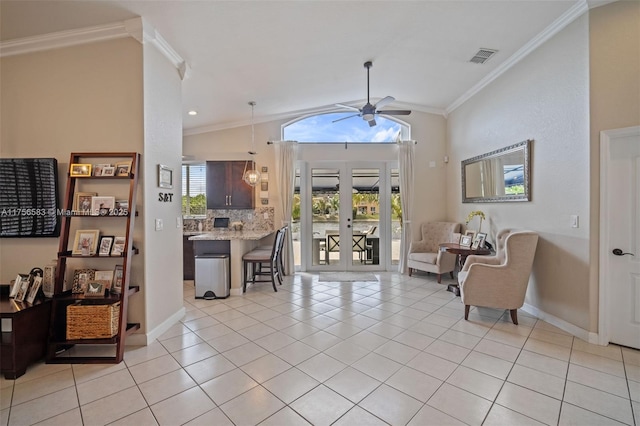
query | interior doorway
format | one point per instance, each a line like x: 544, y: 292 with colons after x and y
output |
x: 619, y: 320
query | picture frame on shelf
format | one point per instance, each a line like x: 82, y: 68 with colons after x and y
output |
x: 82, y: 203
x: 16, y: 284
x: 86, y: 242
x: 123, y: 168
x: 118, y: 277
x: 165, y: 176
x: 33, y: 291
x: 118, y: 246
x: 465, y: 241
x: 94, y: 289
x: 121, y: 208
x: 105, y: 245
x: 102, y: 206
x: 80, y: 279
x: 24, y: 289
x: 108, y: 171
x: 80, y: 170
x: 98, y: 169
x: 471, y: 233
x: 478, y: 242
x: 104, y: 277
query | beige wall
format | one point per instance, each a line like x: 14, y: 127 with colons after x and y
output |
x: 429, y: 130
x: 162, y: 293
x: 76, y: 99
x: 614, y: 60
x: 545, y: 97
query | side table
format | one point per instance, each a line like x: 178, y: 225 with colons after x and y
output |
x: 25, y: 328
x: 462, y: 252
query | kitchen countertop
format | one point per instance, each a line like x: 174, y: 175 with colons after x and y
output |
x: 227, y: 234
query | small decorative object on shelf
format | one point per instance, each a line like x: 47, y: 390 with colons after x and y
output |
x: 48, y: 279
x: 473, y: 214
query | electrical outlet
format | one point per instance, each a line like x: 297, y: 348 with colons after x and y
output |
x: 265, y: 215
x: 250, y: 216
x: 159, y: 225
x: 178, y: 222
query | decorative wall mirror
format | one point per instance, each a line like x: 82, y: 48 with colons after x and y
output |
x: 498, y: 176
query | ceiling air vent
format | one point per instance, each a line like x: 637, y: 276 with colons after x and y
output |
x: 483, y: 55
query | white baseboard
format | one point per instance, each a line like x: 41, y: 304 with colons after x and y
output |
x: 580, y: 333
x: 143, y: 339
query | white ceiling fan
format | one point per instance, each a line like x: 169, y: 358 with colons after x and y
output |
x: 368, y: 112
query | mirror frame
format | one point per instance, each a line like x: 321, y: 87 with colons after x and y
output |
x: 525, y: 146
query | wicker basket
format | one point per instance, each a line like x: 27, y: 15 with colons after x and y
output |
x: 92, y: 321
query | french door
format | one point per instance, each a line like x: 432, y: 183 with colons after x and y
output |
x: 345, y: 215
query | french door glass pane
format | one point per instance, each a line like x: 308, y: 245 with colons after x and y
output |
x: 396, y: 217
x: 325, y: 216
x: 365, y: 211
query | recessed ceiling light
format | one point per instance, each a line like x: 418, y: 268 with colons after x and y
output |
x: 193, y: 112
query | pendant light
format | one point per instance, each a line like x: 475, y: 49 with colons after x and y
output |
x: 251, y: 176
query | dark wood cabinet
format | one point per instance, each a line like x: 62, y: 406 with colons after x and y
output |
x: 188, y: 259
x: 225, y: 187
x: 24, y: 334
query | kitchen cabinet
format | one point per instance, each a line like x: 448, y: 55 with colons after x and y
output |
x: 225, y: 187
x: 188, y: 261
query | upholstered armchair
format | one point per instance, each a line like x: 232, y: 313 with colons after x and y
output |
x: 499, y: 281
x: 425, y: 254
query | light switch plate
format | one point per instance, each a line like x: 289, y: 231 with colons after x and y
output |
x: 159, y: 225
x: 575, y: 221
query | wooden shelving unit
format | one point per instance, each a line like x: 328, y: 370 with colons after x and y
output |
x: 58, y: 345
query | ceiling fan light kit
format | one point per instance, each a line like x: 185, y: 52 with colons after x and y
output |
x: 251, y: 176
x: 368, y: 112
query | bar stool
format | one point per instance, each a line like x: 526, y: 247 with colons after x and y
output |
x: 260, y: 257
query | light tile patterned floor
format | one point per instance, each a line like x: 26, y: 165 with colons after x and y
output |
x: 397, y: 352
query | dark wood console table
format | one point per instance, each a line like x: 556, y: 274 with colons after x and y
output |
x: 462, y: 252
x: 25, y: 328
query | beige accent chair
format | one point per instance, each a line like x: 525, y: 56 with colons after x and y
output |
x: 425, y: 254
x: 499, y: 281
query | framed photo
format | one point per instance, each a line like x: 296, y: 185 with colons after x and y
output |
x: 105, y: 246
x: 80, y: 170
x: 17, y: 283
x: 465, y: 241
x: 86, y: 242
x: 33, y: 291
x: 118, y: 277
x: 123, y: 168
x: 479, y: 240
x: 118, y: 246
x: 165, y: 177
x: 108, y: 171
x: 471, y: 233
x: 82, y: 202
x: 104, y: 277
x: 81, y: 278
x: 121, y: 208
x: 98, y: 169
x: 102, y: 206
x: 23, y: 289
x: 94, y: 289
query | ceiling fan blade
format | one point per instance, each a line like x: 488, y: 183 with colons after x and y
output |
x: 372, y: 122
x: 395, y: 112
x: 348, y: 107
x: 384, y: 102
x: 344, y: 118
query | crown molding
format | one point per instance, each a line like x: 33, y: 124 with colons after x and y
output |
x: 556, y: 26
x: 137, y: 28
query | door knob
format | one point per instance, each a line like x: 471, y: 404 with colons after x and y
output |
x: 619, y: 252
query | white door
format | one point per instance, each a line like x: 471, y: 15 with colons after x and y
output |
x: 620, y: 236
x: 345, y: 208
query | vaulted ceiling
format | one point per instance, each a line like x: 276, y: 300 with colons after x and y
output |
x: 293, y: 57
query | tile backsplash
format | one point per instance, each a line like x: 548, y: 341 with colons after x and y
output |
x: 257, y: 222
